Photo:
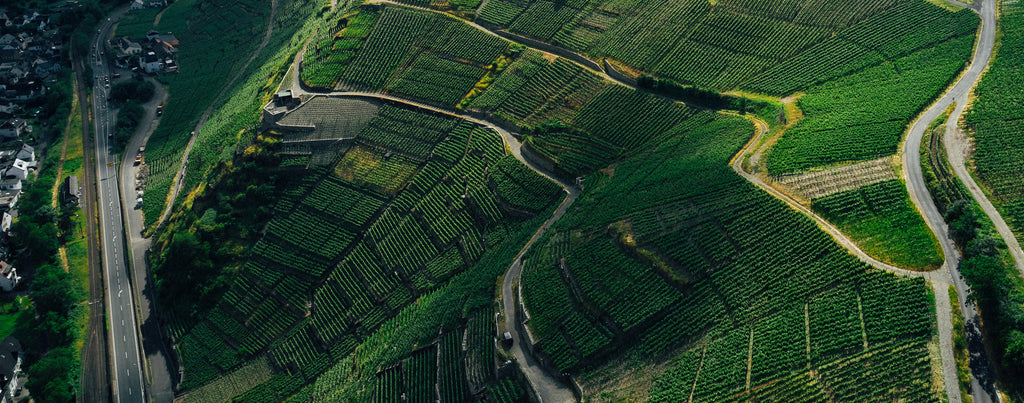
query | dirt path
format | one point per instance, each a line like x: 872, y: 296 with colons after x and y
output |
x: 179, y: 178
x: 543, y: 47
x: 939, y: 279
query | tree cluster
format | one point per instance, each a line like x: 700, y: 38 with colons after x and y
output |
x: 996, y: 287
x: 197, y: 254
x: 700, y: 96
x: 134, y: 91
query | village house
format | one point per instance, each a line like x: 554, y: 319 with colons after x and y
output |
x: 9, y: 277
x: 10, y: 366
x: 13, y: 128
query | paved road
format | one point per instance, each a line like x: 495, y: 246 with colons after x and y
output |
x: 123, y: 331
x: 957, y: 149
x: 95, y: 361
x: 156, y: 347
x: 548, y: 388
x: 984, y: 389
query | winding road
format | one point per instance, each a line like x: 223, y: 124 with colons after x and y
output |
x: 983, y: 378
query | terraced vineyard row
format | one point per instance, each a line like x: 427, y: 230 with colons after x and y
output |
x: 424, y: 56
x: 725, y: 44
x: 995, y: 120
x: 666, y: 262
x: 863, y: 115
x: 342, y: 256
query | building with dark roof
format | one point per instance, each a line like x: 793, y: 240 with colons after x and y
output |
x: 10, y: 365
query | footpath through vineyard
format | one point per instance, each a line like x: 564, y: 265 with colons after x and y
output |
x: 179, y: 178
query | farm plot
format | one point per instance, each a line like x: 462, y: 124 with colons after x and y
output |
x: 554, y: 92
x: 906, y: 28
x: 328, y: 117
x: 995, y: 121
x: 725, y: 44
x: 429, y: 57
x: 352, y: 247
x: 868, y: 215
x: 684, y: 252
x: 334, y: 46
x: 812, y: 185
x: 863, y: 115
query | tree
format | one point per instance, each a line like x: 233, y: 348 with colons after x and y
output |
x: 52, y: 290
x: 50, y: 377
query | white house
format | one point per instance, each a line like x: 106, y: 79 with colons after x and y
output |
x: 150, y: 62
x: 9, y: 277
x: 27, y: 153
x: 18, y: 170
x: 13, y: 128
x: 5, y: 221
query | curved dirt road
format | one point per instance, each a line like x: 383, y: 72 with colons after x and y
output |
x: 984, y: 389
x: 957, y: 149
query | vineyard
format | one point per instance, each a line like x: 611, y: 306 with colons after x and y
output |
x: 373, y: 276
x: 869, y: 214
x: 420, y: 55
x: 677, y: 251
x: 351, y: 247
x: 773, y: 47
x: 812, y: 185
x: 995, y: 121
x: 333, y: 47
x: 863, y: 115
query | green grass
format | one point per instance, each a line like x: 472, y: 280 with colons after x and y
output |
x: 882, y: 220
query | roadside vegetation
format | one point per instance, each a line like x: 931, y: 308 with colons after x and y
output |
x: 48, y: 239
x: 128, y: 97
x: 51, y: 323
x: 986, y: 264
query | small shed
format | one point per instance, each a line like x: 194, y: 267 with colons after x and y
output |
x: 70, y: 190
